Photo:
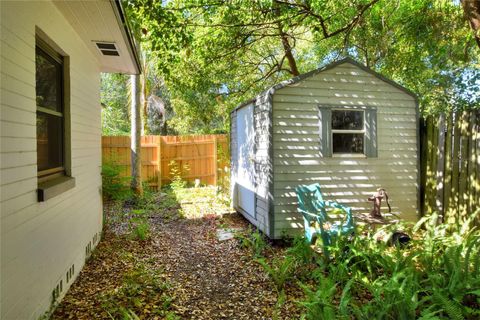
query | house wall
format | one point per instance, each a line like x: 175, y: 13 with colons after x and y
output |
x: 296, y: 145
x: 41, y: 241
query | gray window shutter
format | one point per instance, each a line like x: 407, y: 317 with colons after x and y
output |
x: 371, y: 133
x: 325, y: 125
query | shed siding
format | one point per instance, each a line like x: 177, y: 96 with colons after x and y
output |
x: 262, y: 161
x: 40, y: 241
x: 345, y: 179
x: 233, y: 155
x: 262, y: 127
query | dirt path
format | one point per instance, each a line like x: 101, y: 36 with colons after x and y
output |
x: 212, y: 279
x: 208, y: 278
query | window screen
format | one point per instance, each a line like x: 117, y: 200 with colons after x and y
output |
x: 348, y: 131
x: 50, y: 116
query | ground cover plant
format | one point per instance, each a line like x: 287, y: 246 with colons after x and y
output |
x: 435, y: 276
x: 160, y: 259
x: 114, y: 186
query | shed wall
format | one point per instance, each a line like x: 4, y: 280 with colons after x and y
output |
x: 233, y: 156
x: 348, y: 180
x: 263, y: 166
x: 40, y: 241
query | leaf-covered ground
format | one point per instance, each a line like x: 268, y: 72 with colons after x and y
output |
x: 181, y: 270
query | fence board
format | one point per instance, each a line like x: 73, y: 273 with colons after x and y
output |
x: 447, y: 191
x: 197, y: 157
x: 441, y: 165
x: 451, y: 155
x: 471, y: 176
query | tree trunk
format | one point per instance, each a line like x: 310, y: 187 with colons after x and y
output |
x: 288, y: 53
x: 287, y: 48
x: 471, y: 8
x: 146, y: 129
x: 135, y: 139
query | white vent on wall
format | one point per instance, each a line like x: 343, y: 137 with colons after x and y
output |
x: 57, y: 291
x: 88, y: 250
x: 70, y: 273
x: 107, y: 48
x: 96, y: 237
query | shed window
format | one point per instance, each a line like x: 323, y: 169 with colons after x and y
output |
x: 50, y: 112
x: 348, y: 131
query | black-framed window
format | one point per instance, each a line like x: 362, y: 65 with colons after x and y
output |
x: 49, y: 88
x: 348, y: 131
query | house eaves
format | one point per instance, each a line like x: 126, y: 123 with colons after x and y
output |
x: 104, y: 29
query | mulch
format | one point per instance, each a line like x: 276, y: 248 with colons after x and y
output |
x: 209, y: 279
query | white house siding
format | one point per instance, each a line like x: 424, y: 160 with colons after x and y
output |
x: 296, y: 145
x: 40, y: 241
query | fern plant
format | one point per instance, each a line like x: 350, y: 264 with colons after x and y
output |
x: 319, y: 303
x: 280, y: 270
x: 254, y: 241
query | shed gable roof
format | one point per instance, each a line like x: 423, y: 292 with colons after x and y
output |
x: 312, y: 73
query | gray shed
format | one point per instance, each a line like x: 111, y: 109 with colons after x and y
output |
x: 344, y: 126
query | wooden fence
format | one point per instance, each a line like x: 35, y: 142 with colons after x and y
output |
x: 201, y: 157
x: 450, y: 179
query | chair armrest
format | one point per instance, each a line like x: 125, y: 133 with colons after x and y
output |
x: 307, y: 214
x: 312, y: 216
x: 337, y: 205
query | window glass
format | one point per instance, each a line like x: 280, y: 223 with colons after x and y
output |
x: 348, y: 131
x: 347, y: 120
x: 50, y: 118
x: 49, y: 141
x: 48, y: 78
x: 347, y: 142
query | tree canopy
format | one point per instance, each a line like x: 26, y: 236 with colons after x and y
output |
x: 214, y: 54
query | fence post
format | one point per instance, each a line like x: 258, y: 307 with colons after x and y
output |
x: 423, y: 164
x: 159, y: 164
x: 215, y: 162
x: 477, y: 165
x: 428, y: 204
x: 472, y: 178
x: 455, y: 166
x: 440, y: 175
x: 447, y: 188
x: 462, y: 187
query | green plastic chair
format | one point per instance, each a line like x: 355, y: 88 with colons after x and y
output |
x: 313, y: 208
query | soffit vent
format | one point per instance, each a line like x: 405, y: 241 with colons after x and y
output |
x: 107, y: 48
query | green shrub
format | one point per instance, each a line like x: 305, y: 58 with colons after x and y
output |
x: 253, y: 241
x: 177, y: 182
x: 139, y: 225
x: 280, y: 270
x: 301, y: 251
x: 436, y: 276
x: 319, y: 303
x: 114, y: 187
x: 142, y: 293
